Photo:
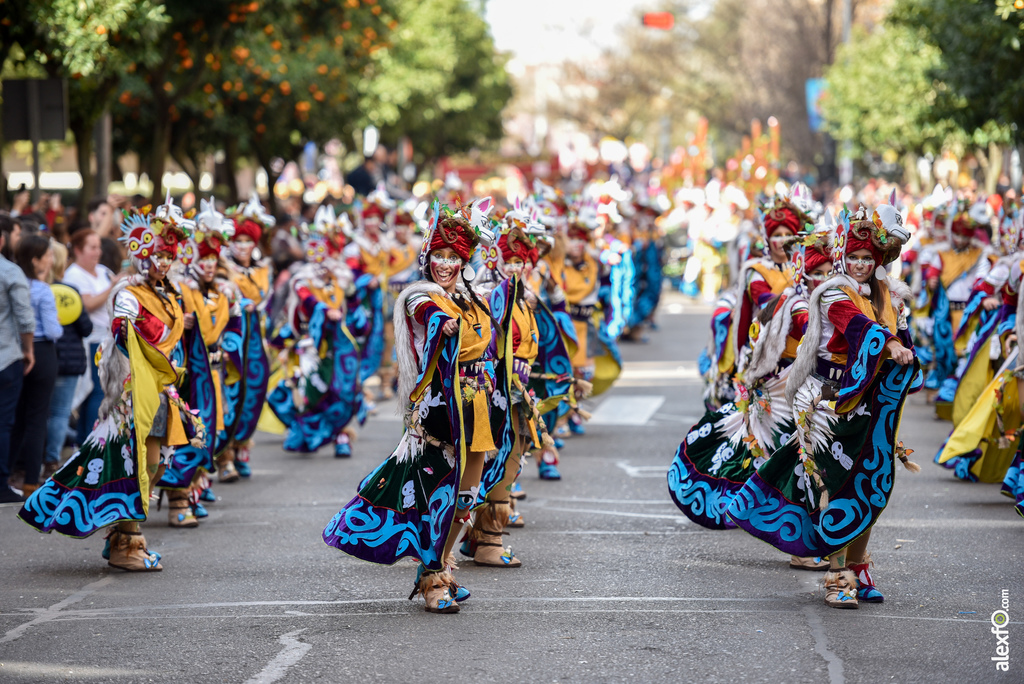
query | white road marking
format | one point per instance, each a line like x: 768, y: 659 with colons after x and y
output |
x: 634, y: 502
x: 680, y: 519
x: 627, y: 410
x: 63, y: 671
x: 51, y: 613
x: 290, y: 655
x: 835, y: 663
x: 643, y: 471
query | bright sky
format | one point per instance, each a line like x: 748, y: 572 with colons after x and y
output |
x: 546, y: 31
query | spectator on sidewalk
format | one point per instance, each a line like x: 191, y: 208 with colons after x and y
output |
x: 16, y: 354
x: 35, y: 257
x: 71, y: 360
x: 93, y: 281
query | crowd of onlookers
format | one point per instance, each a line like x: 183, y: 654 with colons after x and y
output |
x: 57, y: 267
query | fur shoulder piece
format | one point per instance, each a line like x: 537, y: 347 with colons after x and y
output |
x: 767, y: 351
x: 807, y: 353
x: 408, y: 369
x: 900, y: 289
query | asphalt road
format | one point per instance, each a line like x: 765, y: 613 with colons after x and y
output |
x: 616, y: 584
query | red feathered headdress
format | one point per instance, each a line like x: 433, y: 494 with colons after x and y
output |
x: 516, y: 244
x: 248, y: 228
x: 454, y: 232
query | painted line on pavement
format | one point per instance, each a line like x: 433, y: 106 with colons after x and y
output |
x: 636, y: 502
x: 817, y: 627
x: 681, y: 519
x: 290, y: 655
x: 51, y: 613
x: 644, y: 470
x: 627, y: 410
x: 64, y: 671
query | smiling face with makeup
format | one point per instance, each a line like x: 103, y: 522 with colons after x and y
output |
x: 160, y: 265
x: 860, y: 265
x: 516, y: 266
x: 445, y: 266
x: 241, y: 249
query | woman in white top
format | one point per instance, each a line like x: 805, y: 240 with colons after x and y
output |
x: 93, y: 281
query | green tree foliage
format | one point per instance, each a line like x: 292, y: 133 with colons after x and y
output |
x: 982, y: 67
x: 881, y: 94
x: 439, y: 82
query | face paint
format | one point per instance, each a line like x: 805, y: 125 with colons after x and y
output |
x: 444, y: 267
x: 241, y: 249
x: 859, y: 261
x: 208, y: 268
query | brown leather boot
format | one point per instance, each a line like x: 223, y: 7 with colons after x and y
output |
x: 226, y: 471
x: 798, y: 563
x: 128, y: 551
x: 515, y: 518
x: 436, y: 588
x: 179, y: 513
x: 841, y: 588
x: 491, y: 519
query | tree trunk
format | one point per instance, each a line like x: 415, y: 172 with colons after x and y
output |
x: 994, y: 168
x: 231, y: 168
x: 264, y: 161
x: 910, y: 174
x: 83, y: 146
x: 161, y: 148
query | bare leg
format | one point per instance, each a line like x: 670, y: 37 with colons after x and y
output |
x: 153, y: 466
x: 471, y: 475
x: 858, y: 548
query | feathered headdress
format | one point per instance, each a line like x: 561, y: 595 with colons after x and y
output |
x: 883, y: 234
x: 461, y: 230
x: 213, y: 230
x: 251, y: 219
x: 147, y: 232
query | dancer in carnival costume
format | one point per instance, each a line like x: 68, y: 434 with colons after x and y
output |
x: 142, y: 419
x: 320, y: 391
x: 986, y: 413
x: 417, y: 502
x: 403, y: 269
x: 820, y: 494
x: 760, y: 279
x: 368, y: 255
x: 211, y: 305
x: 727, y: 446
x: 515, y: 255
x: 646, y: 244
x: 252, y: 274
x: 950, y: 272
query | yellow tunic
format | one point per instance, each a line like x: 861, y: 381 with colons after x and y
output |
x: 254, y: 283
x: 474, y: 336
x: 212, y: 313
x: 171, y: 315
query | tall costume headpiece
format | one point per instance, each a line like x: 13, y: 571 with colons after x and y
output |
x: 460, y: 230
x: 251, y: 219
x: 147, y: 232
x: 883, y: 234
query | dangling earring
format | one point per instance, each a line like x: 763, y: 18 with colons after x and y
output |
x: 880, y: 273
x: 468, y: 273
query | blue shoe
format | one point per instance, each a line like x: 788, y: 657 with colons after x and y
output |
x: 517, y: 491
x: 243, y: 468
x: 559, y: 444
x: 208, y: 496
x: 549, y: 471
x: 467, y: 548
x: 199, y: 510
x: 866, y: 589
x: 461, y: 593
x: 577, y: 428
x: 342, y: 450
